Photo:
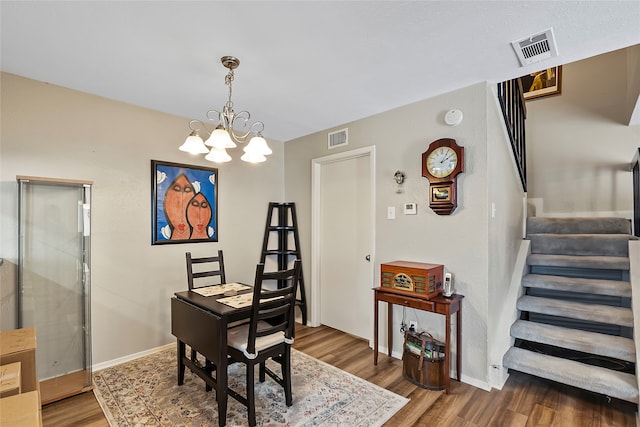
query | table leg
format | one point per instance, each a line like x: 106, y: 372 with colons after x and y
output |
x: 375, y: 330
x: 447, y: 354
x: 181, y: 353
x: 221, y: 377
x: 459, y: 341
x: 221, y: 393
x: 389, y: 327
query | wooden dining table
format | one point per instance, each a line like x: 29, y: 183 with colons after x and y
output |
x: 201, y: 322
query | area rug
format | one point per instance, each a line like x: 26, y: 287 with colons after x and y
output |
x: 144, y: 392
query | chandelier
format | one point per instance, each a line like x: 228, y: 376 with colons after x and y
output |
x: 231, y: 128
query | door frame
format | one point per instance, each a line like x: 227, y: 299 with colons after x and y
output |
x: 316, y: 187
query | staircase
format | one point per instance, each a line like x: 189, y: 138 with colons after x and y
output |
x: 576, y: 323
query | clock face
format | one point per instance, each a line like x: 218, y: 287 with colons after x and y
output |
x: 442, y: 161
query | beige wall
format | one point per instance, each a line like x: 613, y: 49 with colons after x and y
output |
x: 579, y: 144
x: 461, y: 241
x: 633, y: 84
x: 55, y: 132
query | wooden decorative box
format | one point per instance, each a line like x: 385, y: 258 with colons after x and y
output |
x: 413, y: 278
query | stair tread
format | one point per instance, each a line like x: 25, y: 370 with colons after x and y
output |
x: 581, y: 244
x: 580, y: 261
x: 578, y: 284
x: 576, y: 310
x: 584, y: 341
x: 593, y: 378
x: 590, y: 225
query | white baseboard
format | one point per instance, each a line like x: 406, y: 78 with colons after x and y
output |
x: 118, y: 361
x: 498, y: 377
x: 475, y: 382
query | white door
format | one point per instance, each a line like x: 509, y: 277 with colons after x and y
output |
x: 344, y: 242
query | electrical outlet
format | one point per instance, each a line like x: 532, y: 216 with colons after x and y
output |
x: 413, y: 325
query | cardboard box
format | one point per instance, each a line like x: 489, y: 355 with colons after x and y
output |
x: 21, y: 410
x: 10, y: 379
x: 19, y: 345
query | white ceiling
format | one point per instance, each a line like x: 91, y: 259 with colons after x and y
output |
x: 305, y: 65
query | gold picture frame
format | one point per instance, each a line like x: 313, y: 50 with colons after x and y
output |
x: 541, y: 83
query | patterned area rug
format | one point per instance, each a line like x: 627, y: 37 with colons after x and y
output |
x: 144, y: 392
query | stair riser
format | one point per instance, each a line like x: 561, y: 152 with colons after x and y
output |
x: 589, y: 298
x: 590, y: 245
x: 582, y: 325
x: 592, y: 273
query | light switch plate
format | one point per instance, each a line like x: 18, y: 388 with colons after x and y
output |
x: 410, y: 208
x: 391, y: 212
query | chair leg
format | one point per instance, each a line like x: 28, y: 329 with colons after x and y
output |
x: 251, y: 398
x: 263, y: 371
x: 286, y: 375
x: 209, y: 367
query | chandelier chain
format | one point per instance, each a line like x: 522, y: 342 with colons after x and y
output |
x: 228, y: 80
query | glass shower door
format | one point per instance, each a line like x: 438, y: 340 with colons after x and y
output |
x: 54, y: 281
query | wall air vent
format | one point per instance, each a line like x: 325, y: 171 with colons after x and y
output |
x: 536, y: 48
x: 338, y: 138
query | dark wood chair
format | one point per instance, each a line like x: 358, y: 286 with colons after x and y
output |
x: 268, y: 335
x: 203, y: 272
x: 209, y: 271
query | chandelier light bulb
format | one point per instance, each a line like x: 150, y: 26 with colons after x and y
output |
x: 218, y: 155
x: 253, y: 157
x: 194, y: 144
x: 220, y: 138
x: 258, y: 145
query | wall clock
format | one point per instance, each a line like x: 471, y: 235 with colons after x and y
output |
x: 441, y: 163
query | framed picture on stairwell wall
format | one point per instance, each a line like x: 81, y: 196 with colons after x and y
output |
x: 542, y: 83
x: 184, y: 203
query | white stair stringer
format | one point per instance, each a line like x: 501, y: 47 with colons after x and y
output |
x: 593, y: 378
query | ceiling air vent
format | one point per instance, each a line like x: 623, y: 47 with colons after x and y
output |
x: 338, y: 138
x: 536, y: 48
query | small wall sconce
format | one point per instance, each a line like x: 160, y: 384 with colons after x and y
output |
x: 399, y: 179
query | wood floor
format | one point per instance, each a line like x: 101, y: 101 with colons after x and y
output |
x: 524, y: 401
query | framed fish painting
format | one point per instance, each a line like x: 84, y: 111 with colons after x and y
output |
x: 185, y: 203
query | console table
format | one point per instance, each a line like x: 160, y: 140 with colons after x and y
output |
x: 438, y: 304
